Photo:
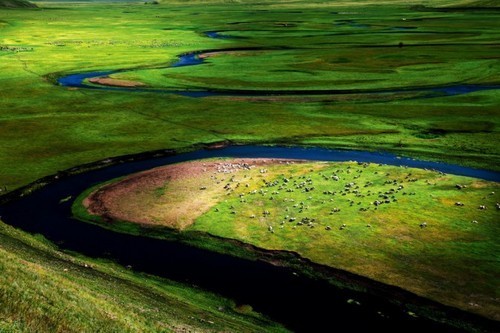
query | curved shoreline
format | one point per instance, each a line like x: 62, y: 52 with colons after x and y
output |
x: 70, y: 234
x: 194, y: 58
x: 485, y: 174
x: 226, y: 197
x: 103, y: 201
x: 107, y: 81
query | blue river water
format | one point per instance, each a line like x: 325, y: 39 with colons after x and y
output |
x: 77, y: 80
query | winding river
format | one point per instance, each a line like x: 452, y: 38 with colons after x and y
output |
x: 294, y: 300
x: 78, y: 80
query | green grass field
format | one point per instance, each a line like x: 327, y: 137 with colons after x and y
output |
x: 56, y: 128
x: 44, y: 290
x: 366, y: 219
x: 45, y: 128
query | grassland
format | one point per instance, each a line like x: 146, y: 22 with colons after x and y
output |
x: 46, y: 128
x: 16, y: 4
x: 402, y: 226
x: 57, y: 128
x: 44, y: 290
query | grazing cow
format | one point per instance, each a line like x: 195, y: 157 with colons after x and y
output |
x: 423, y: 225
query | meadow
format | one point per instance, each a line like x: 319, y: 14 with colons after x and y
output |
x: 45, y: 290
x: 417, y: 229
x: 353, y: 45
x: 56, y: 127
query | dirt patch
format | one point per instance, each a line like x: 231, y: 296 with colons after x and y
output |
x: 174, y: 195
x: 107, y: 81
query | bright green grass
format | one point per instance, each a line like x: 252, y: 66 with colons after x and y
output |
x: 44, y: 290
x: 46, y: 128
x: 453, y: 260
x: 332, y: 52
x: 304, y: 209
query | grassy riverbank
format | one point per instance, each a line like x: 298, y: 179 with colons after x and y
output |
x: 46, y: 128
x: 401, y: 226
x: 52, y: 128
x: 44, y: 290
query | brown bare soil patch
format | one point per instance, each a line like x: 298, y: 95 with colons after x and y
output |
x: 174, y: 195
x: 107, y: 81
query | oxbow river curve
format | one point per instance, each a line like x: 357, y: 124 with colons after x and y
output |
x: 196, y: 58
x: 279, y: 292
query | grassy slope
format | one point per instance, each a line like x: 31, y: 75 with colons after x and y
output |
x: 44, y: 290
x: 16, y: 4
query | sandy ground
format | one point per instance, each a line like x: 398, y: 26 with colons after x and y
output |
x: 107, y: 81
x: 173, y: 195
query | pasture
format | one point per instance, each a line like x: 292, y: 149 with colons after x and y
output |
x: 418, y: 79
x: 417, y: 229
x: 348, y: 45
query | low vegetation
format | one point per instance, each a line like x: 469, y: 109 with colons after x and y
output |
x: 428, y: 232
x: 51, y: 128
x: 16, y: 4
x: 46, y: 128
x: 45, y: 290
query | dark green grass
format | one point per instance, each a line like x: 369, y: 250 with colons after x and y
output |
x: 16, y: 4
x: 44, y: 290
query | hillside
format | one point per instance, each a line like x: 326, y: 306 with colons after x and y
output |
x: 45, y: 290
x: 478, y: 4
x: 16, y: 4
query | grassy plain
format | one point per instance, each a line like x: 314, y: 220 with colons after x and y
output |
x: 52, y: 128
x: 46, y: 128
x: 402, y: 226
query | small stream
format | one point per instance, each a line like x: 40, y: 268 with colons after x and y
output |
x: 196, y: 58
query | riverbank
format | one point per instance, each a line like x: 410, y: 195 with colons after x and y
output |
x: 107, y: 81
x: 298, y: 206
x: 196, y: 239
x: 49, y: 129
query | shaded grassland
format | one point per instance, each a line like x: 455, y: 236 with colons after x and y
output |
x: 44, y: 290
x: 406, y: 227
x: 16, y: 4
